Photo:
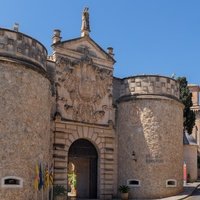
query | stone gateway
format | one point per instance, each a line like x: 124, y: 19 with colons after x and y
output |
x: 67, y: 110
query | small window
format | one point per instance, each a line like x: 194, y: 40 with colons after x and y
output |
x: 12, y: 182
x: 171, y: 183
x: 133, y: 183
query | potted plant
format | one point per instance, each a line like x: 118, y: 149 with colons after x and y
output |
x: 124, y: 189
x: 59, y: 192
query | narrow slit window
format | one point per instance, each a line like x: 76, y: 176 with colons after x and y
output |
x: 171, y: 183
x: 12, y: 182
x: 133, y: 183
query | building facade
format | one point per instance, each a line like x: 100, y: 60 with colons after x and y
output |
x: 99, y: 131
x: 190, y: 157
x: 194, y: 89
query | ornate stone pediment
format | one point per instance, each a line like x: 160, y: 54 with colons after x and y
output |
x: 84, y: 90
x: 85, y: 45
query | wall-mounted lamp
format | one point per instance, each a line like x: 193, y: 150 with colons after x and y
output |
x: 134, y: 156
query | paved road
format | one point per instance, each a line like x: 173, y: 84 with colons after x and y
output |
x: 195, y: 195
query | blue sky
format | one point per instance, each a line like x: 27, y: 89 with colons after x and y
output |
x: 148, y: 36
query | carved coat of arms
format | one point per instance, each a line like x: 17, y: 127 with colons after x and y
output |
x: 82, y: 87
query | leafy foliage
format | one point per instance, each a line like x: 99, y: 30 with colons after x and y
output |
x: 186, y: 98
x: 59, y: 190
x: 123, y: 188
x: 72, y: 179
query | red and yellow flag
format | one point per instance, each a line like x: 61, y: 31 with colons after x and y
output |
x: 46, y: 177
x: 51, y: 175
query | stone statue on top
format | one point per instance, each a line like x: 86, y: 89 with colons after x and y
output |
x: 85, y: 28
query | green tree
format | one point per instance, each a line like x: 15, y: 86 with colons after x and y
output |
x: 186, y: 98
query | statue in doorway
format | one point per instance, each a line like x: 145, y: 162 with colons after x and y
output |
x: 71, y: 180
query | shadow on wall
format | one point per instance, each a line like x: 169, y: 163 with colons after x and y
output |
x: 148, y: 140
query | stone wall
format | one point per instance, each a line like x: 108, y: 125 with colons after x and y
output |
x: 23, y: 47
x: 84, y: 91
x: 83, y: 80
x: 25, y: 101
x: 194, y: 89
x: 149, y: 84
x: 150, y: 145
x: 190, y: 158
x: 148, y: 128
x: 102, y: 138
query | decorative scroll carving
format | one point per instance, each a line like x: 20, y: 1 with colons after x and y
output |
x: 86, y: 86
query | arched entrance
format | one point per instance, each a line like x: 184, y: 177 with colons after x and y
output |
x: 82, y: 169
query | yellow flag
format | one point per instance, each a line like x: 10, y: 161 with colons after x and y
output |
x: 36, y: 179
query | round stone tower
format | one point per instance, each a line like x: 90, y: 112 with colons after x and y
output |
x: 150, y: 133
x: 25, y: 113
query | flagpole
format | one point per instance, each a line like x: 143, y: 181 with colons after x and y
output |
x: 48, y: 181
x: 43, y: 182
x: 52, y: 183
x: 42, y: 193
x: 35, y: 195
x: 51, y: 192
x: 36, y: 181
